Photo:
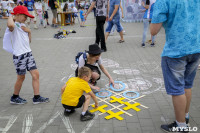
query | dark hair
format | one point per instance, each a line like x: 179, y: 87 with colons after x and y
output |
x: 65, y: 7
x: 147, y: 2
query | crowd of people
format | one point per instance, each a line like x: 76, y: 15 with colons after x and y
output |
x: 180, y: 57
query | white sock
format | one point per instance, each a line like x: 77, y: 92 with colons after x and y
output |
x: 187, y: 115
x: 83, y: 113
x: 181, y: 124
x: 68, y: 110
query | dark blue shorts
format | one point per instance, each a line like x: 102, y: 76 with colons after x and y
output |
x: 179, y: 73
x: 24, y: 62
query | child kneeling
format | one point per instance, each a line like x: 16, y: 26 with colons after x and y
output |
x: 72, y: 94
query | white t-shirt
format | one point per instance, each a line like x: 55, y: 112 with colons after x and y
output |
x: 38, y: 5
x: 74, y: 9
x: 81, y: 62
x: 20, y: 40
x: 45, y: 6
x: 4, y: 4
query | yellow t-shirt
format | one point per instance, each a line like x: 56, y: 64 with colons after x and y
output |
x: 74, y: 90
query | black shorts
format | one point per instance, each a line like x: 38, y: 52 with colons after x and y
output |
x: 46, y: 16
x: 80, y: 103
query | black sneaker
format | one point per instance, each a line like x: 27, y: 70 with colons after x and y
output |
x: 87, y: 116
x: 17, y: 100
x: 143, y: 45
x: 173, y: 127
x: 153, y: 44
x: 40, y: 100
x: 103, y: 49
x: 67, y: 113
x: 187, y: 121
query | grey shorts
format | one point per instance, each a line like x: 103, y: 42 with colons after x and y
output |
x: 54, y: 11
x: 24, y: 62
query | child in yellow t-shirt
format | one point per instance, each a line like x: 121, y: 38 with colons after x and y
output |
x: 72, y: 94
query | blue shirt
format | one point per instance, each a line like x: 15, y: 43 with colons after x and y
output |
x: 181, y: 21
x: 112, y: 7
x: 81, y: 14
x: 148, y: 13
x: 29, y: 4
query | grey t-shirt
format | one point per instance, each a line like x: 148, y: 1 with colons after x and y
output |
x: 101, y: 7
x: 81, y: 62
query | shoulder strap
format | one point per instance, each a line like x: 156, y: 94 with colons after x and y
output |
x: 85, y: 57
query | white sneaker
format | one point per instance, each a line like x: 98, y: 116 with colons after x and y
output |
x: 35, y: 27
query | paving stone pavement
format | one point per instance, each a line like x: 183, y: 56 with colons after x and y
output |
x: 137, y: 67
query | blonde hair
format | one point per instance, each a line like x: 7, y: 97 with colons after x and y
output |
x: 83, y: 71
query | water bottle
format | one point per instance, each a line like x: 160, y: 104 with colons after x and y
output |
x: 64, y: 32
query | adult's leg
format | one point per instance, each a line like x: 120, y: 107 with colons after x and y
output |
x: 146, y: 25
x: 179, y: 103
x: 35, y: 81
x: 18, y: 84
x: 101, y: 33
x: 97, y: 30
x: 188, y: 94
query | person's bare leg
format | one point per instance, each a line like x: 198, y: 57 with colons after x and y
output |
x: 35, y: 81
x: 87, y: 102
x: 179, y: 103
x: 18, y: 84
x: 121, y: 35
x: 106, y: 36
x: 188, y: 94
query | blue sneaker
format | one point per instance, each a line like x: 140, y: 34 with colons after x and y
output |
x: 17, y: 100
x: 40, y: 100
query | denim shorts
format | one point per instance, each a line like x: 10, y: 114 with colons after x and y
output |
x: 82, y: 20
x: 24, y: 62
x: 114, y: 22
x: 179, y: 73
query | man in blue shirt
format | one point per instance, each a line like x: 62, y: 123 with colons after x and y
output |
x: 32, y: 10
x: 114, y: 19
x: 181, y: 53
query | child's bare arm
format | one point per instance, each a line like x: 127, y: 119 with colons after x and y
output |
x: 94, y: 98
x: 63, y: 89
x: 11, y: 23
x: 28, y: 31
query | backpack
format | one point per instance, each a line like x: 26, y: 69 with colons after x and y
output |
x: 78, y: 56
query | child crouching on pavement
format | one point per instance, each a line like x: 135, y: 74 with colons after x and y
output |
x: 72, y: 94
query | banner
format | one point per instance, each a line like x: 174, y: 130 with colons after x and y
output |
x: 133, y: 10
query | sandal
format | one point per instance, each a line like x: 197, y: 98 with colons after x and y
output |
x: 121, y: 41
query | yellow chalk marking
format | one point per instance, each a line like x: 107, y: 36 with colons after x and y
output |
x: 100, y: 108
x: 132, y: 106
x: 116, y: 115
x: 119, y: 100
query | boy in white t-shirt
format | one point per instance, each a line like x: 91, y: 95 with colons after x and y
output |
x: 22, y: 55
x: 4, y: 6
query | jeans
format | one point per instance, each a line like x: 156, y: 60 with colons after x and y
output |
x: 179, y: 73
x: 146, y: 27
x: 100, y: 21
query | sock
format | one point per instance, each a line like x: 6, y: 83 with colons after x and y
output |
x: 187, y: 115
x: 68, y: 110
x: 83, y: 113
x: 36, y: 96
x: 181, y: 124
x: 15, y: 96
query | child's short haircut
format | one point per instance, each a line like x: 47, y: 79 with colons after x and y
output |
x: 83, y: 71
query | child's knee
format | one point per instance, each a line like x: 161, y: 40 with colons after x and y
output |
x: 95, y: 75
